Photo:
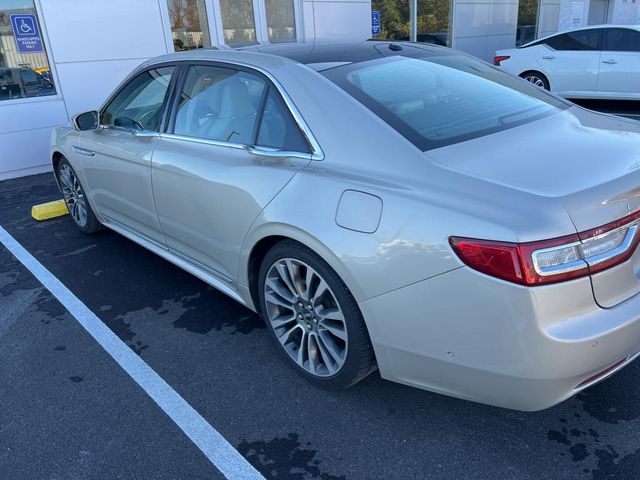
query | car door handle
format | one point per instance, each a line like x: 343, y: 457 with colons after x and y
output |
x: 610, y: 61
x: 84, y: 151
x: 549, y: 57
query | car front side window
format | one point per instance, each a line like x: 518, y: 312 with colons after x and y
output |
x: 220, y: 104
x: 139, y: 105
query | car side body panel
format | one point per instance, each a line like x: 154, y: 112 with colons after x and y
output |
x: 434, y: 322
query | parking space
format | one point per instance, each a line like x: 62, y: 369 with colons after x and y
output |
x: 70, y: 411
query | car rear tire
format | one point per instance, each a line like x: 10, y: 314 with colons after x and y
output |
x: 313, y: 317
x: 74, y: 197
x: 537, y: 78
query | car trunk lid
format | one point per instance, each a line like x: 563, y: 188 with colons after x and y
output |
x: 589, y: 163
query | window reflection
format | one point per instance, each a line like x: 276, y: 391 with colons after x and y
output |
x: 433, y: 20
x: 24, y: 67
x: 189, y: 25
x: 527, y: 16
x: 238, y: 22
x: 281, y: 24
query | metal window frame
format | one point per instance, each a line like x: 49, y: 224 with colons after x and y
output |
x: 167, y: 128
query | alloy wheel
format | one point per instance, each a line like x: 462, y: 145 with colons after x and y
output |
x: 73, y: 195
x: 306, y: 317
x: 537, y: 81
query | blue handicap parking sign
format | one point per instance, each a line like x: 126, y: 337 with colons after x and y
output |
x: 25, y: 31
x: 375, y: 22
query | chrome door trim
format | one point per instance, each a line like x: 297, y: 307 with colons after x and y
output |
x: 83, y: 151
x: 200, y: 265
x: 254, y: 150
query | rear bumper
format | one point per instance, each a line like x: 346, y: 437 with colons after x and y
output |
x: 471, y: 336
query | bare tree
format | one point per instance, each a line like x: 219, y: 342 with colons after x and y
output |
x: 178, y: 13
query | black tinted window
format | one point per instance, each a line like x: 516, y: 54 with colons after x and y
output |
x: 581, y: 40
x: 278, y: 129
x: 139, y: 104
x: 622, y: 40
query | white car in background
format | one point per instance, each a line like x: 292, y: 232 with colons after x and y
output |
x: 598, y: 62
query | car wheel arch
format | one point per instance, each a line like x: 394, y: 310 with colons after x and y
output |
x: 268, y: 235
x: 56, y: 156
x: 537, y: 72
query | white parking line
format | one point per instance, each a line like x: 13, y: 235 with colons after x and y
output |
x: 225, y: 458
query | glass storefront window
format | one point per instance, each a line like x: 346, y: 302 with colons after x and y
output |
x: 433, y: 20
x: 189, y: 24
x: 24, y: 67
x: 394, y: 19
x: 527, y: 17
x: 238, y: 22
x: 281, y: 23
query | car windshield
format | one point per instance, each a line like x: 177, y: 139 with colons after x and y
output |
x: 440, y: 100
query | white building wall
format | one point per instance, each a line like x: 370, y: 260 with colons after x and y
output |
x: 548, y: 17
x: 560, y: 15
x: 625, y: 12
x: 337, y: 19
x: 480, y: 27
x: 573, y: 14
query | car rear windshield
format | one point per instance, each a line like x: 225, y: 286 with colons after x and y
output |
x: 442, y: 100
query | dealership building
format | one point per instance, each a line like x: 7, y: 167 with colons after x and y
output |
x: 62, y: 57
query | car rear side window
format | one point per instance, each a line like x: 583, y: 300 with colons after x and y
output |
x: 278, y: 129
x: 219, y: 104
x: 587, y: 40
x: 442, y: 100
x: 622, y: 40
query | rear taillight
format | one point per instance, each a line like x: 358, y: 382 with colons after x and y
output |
x: 500, y: 58
x: 556, y: 260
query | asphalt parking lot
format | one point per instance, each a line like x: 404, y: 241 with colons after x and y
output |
x: 69, y: 411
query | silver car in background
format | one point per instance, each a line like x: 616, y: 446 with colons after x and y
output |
x: 386, y: 205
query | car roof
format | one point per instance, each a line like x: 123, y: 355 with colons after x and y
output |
x: 323, y: 52
x: 319, y: 55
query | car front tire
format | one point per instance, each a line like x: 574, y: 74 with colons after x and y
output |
x: 313, y: 317
x: 75, y: 198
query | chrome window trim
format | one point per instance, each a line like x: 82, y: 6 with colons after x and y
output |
x: 255, y: 150
x: 217, y: 143
x: 316, y: 150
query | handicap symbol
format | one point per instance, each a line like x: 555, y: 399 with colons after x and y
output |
x: 25, y: 27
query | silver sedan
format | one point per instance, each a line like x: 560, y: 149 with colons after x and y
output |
x: 384, y: 205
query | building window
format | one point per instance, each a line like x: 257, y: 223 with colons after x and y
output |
x: 238, y: 22
x: 527, y: 18
x: 281, y: 22
x: 433, y: 20
x: 24, y: 67
x: 189, y: 24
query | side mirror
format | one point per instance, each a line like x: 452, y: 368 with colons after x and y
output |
x: 87, y: 120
